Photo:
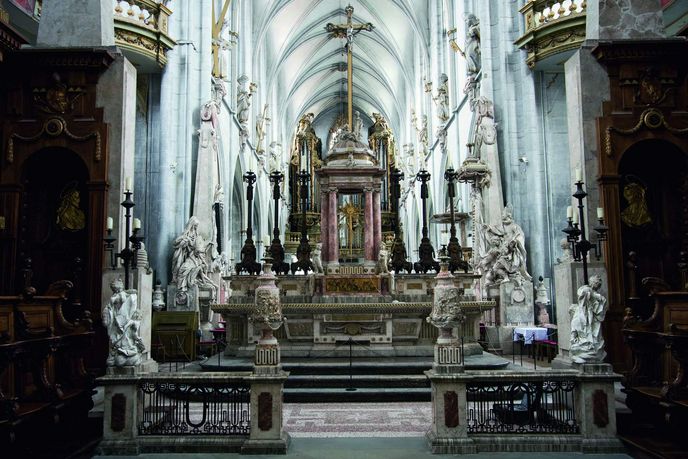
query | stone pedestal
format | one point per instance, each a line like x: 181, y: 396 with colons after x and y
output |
x: 596, y: 410
x: 448, y: 434
x: 75, y: 23
x: 120, y: 419
x: 568, y: 277
x: 516, y: 303
x: 267, y: 432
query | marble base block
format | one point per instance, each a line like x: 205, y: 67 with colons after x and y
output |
x: 516, y: 303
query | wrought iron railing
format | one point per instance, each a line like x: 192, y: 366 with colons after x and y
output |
x: 185, y: 407
x: 524, y: 407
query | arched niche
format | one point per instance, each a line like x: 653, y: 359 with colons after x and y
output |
x: 54, y: 215
x: 653, y: 213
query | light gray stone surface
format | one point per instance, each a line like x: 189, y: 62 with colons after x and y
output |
x: 619, y: 19
x: 116, y: 93
x: 76, y: 23
x: 516, y: 303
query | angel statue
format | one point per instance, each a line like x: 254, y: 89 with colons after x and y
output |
x: 587, y: 343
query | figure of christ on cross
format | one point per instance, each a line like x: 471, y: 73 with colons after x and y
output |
x: 348, y: 31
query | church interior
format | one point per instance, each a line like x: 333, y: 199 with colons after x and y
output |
x: 310, y: 227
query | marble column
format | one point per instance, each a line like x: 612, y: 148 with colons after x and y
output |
x: 324, y: 212
x: 333, y: 236
x: 369, y: 231
x: 377, y: 222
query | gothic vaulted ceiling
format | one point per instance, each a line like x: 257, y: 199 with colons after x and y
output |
x: 306, y: 68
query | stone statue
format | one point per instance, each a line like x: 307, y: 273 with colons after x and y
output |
x: 122, y: 320
x: 511, y: 255
x: 565, y: 251
x: 244, y: 101
x: 383, y: 259
x: 423, y: 134
x: 486, y: 128
x: 442, y: 99
x: 358, y: 125
x: 316, y: 258
x: 261, y: 123
x: 275, y: 156
x: 189, y: 266
x: 543, y: 319
x: 472, y: 46
x: 587, y: 343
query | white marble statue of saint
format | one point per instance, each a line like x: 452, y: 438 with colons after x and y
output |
x: 587, y: 343
x: 442, y: 99
x: 358, y: 125
x: 122, y: 321
x: 383, y: 259
x: 243, y: 101
x: 189, y: 266
x: 512, y: 245
x: 316, y: 258
x: 472, y: 46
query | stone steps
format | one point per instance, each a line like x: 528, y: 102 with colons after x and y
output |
x: 375, y: 379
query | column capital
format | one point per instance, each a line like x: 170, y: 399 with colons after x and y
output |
x: 332, y: 189
x: 368, y: 189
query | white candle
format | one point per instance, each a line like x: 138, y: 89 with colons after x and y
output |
x: 137, y: 224
x: 600, y: 213
x: 579, y: 175
x: 127, y: 184
x: 569, y: 212
x: 110, y: 223
x: 575, y: 218
x: 266, y: 241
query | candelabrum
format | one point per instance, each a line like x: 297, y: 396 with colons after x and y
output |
x: 132, y: 240
x: 575, y: 232
x: 426, y: 253
x: 276, y: 250
x: 248, y: 261
x: 455, y: 253
x: 398, y: 251
x: 303, y: 252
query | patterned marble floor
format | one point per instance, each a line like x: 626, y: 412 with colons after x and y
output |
x: 329, y: 420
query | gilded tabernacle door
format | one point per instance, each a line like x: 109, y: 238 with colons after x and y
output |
x: 351, y: 225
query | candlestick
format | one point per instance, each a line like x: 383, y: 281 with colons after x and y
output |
x: 137, y: 224
x: 600, y: 213
x: 569, y: 213
x: 127, y: 184
x: 110, y: 223
x: 579, y: 175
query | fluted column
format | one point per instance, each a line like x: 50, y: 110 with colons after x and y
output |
x: 369, y: 231
x: 333, y: 231
x: 377, y: 222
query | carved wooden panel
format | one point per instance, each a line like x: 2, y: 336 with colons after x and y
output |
x: 646, y: 118
x: 451, y: 409
x: 265, y: 411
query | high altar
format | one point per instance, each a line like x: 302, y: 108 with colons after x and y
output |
x: 354, y: 297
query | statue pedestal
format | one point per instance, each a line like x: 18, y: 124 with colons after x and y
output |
x: 516, y: 303
x: 182, y: 301
x: 568, y: 277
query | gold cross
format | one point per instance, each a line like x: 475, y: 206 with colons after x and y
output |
x: 348, y: 31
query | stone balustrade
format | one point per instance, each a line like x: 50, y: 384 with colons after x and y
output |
x: 142, y: 31
x: 192, y: 412
x: 551, y: 28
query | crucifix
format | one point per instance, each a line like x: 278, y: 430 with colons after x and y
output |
x: 347, y: 31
